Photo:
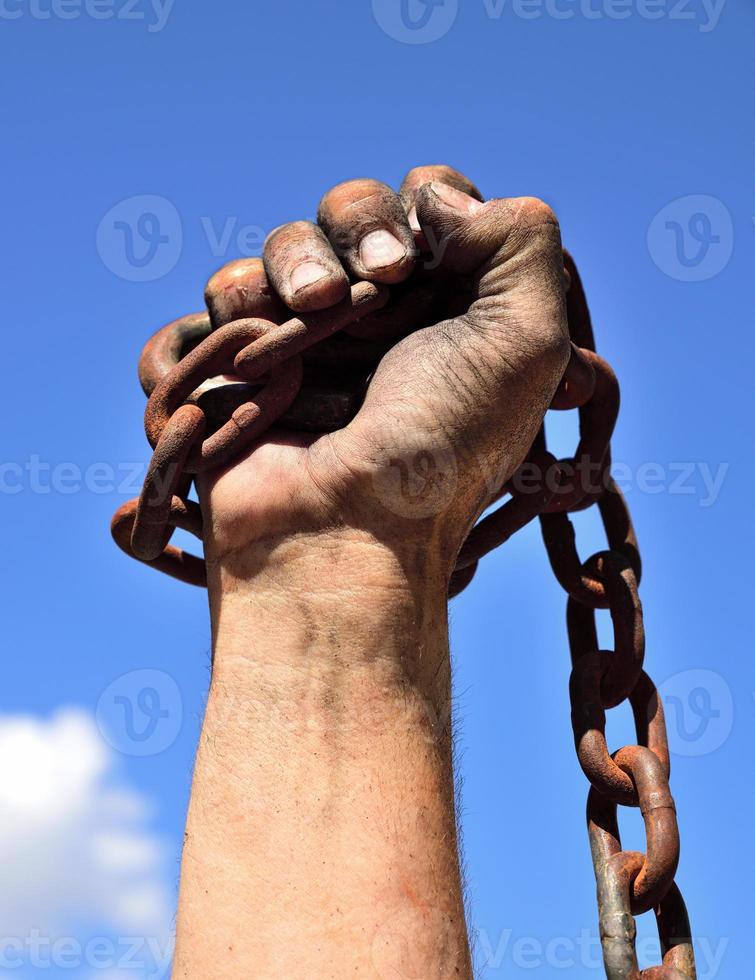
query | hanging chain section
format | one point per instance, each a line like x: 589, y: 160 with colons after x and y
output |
x: 628, y: 882
x: 195, y: 425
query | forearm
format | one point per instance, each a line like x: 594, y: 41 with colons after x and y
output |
x: 321, y: 839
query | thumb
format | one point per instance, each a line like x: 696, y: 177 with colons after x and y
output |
x: 514, y: 332
x: 510, y: 252
x: 509, y: 242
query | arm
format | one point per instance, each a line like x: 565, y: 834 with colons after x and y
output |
x: 321, y: 839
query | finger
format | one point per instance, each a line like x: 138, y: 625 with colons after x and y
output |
x: 440, y: 173
x: 406, y: 313
x: 241, y: 289
x: 303, y: 268
x: 369, y: 231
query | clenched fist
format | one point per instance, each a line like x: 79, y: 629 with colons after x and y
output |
x: 451, y: 409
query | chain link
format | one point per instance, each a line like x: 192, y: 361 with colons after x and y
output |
x: 184, y: 405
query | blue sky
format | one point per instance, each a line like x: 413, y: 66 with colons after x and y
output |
x: 633, y: 119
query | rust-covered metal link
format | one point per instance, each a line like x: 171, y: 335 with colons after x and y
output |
x: 589, y: 726
x: 179, y: 564
x: 615, y: 873
x: 656, y: 873
x: 197, y: 420
x: 582, y: 475
x: 584, y: 580
x: 623, y: 598
x: 164, y: 475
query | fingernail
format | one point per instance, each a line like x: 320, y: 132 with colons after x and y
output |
x: 455, y: 199
x: 305, y: 275
x: 413, y: 220
x: 380, y: 249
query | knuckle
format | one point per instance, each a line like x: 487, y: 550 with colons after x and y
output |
x: 292, y: 233
x: 239, y: 288
x: 557, y: 343
x: 350, y: 193
x: 549, y: 343
x: 234, y: 273
x: 355, y: 207
x: 534, y: 214
x: 442, y: 173
x: 433, y: 171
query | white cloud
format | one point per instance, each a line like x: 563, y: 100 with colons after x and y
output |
x: 75, y: 846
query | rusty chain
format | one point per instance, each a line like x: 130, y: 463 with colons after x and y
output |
x: 183, y: 407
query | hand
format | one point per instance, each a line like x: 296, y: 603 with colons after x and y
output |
x: 452, y: 408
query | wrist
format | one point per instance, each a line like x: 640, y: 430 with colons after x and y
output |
x: 323, y: 567
x: 332, y: 602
